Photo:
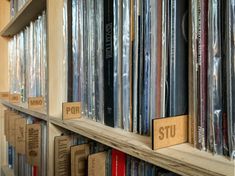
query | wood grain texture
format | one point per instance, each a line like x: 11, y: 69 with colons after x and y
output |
x: 23, y: 107
x: 182, y: 159
x: 29, y: 12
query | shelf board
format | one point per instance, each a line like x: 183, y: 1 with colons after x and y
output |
x: 182, y: 159
x: 28, y: 12
x: 23, y: 107
x: 7, y: 171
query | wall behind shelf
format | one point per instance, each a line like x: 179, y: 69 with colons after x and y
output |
x: 4, y: 19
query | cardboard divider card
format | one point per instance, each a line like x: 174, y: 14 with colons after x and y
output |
x: 71, y: 110
x: 79, y: 159
x: 62, y: 155
x: 11, y: 127
x: 96, y: 164
x: 169, y: 131
x: 4, y: 95
x: 35, y: 102
x: 7, y: 113
x: 33, y: 144
x: 20, y: 128
x: 14, y: 98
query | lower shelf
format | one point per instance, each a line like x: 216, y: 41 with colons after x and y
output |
x: 6, y: 171
x: 182, y: 159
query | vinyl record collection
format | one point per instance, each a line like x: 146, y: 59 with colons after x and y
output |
x: 213, y: 90
x: 77, y: 155
x: 26, y: 140
x: 16, y: 5
x: 126, y: 61
x: 28, y: 61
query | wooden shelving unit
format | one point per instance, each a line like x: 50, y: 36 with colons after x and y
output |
x: 28, y: 13
x: 182, y: 159
x: 24, y: 108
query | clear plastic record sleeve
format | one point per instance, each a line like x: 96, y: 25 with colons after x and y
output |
x: 84, y: 44
x: 65, y: 48
x: 43, y: 64
x: 140, y: 66
x: 117, y: 84
x: 126, y: 65
x: 99, y: 77
x: 215, y: 137
x: 135, y: 62
x: 75, y: 50
x: 91, y: 58
x: 230, y: 59
x: 203, y: 58
x: 147, y: 68
x: 164, y: 57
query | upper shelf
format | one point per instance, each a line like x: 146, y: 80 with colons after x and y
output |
x: 24, y: 108
x: 182, y: 159
x: 28, y: 12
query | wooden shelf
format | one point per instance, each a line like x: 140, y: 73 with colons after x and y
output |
x: 28, y: 12
x: 24, y: 108
x: 7, y: 171
x: 182, y: 159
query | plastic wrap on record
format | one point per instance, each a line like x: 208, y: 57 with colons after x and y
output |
x: 10, y: 64
x: 43, y: 65
x: 117, y: 85
x: 135, y: 62
x: 27, y: 60
x: 193, y: 110
x: 214, y: 79
x: 147, y: 62
x: 126, y: 65
x: 23, y: 66
x: 91, y: 59
x: 65, y: 51
x: 18, y: 66
x: 31, y: 62
x: 99, y: 78
x: 230, y: 59
x: 76, y: 60
x: 178, y: 79
x: 141, y: 64
x: 38, y: 49
x: 164, y: 57
x: 203, y: 73
x: 84, y: 44
x: 132, y: 38
x: 81, y: 53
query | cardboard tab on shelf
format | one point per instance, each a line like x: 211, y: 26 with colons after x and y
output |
x: 14, y: 98
x: 20, y: 128
x: 33, y: 144
x: 4, y: 95
x: 169, y: 131
x: 35, y: 102
x: 71, y: 110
